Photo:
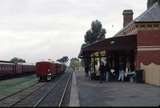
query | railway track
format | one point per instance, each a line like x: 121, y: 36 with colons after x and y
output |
x: 12, y: 94
x: 19, y: 95
x: 57, y: 96
x: 42, y: 94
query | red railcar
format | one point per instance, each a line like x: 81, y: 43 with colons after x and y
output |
x: 18, y: 70
x: 61, y: 69
x: 57, y: 68
x: 9, y: 69
x: 45, y: 70
x: 28, y: 68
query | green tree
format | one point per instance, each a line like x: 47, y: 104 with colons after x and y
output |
x: 82, y: 62
x: 96, y: 26
x: 101, y: 34
x: 75, y: 63
x: 63, y: 60
x: 17, y: 60
x: 95, y: 33
x: 88, y: 38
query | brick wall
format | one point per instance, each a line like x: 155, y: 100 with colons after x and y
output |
x: 148, y: 55
x: 148, y: 37
x: 148, y: 47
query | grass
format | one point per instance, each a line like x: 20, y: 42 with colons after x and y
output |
x: 11, y: 86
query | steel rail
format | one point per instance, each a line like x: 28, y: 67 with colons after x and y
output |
x: 46, y: 94
x: 61, y: 100
x: 27, y: 95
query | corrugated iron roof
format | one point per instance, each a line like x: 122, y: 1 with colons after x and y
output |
x: 150, y: 15
x: 124, y: 43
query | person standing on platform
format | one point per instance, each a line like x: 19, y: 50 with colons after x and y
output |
x: 107, y: 69
x: 102, y: 71
x: 86, y: 71
x: 121, y: 72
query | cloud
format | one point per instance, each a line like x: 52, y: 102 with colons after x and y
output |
x: 41, y: 29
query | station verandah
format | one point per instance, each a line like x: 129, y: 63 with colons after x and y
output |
x: 113, y: 51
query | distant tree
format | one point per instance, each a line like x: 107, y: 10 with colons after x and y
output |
x: 63, y: 60
x: 88, y: 38
x: 95, y: 33
x: 82, y: 62
x: 75, y: 63
x: 151, y: 2
x: 17, y: 60
x: 21, y: 60
x: 101, y: 34
x: 97, y: 30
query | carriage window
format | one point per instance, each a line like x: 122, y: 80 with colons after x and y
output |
x: 156, y: 25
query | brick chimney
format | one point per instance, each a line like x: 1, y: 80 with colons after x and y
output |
x: 127, y: 17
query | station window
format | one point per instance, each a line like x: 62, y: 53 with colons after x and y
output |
x: 156, y: 25
x: 149, y: 25
x: 143, y: 25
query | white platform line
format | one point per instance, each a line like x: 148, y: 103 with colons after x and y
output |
x: 74, y: 96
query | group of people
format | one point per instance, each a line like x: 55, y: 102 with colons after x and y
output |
x: 105, y: 71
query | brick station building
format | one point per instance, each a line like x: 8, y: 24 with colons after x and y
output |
x: 138, y: 42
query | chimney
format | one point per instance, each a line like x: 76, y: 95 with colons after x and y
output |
x: 127, y: 17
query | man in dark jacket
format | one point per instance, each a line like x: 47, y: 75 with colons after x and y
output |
x: 102, y: 70
x: 107, y: 71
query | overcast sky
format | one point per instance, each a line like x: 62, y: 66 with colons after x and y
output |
x: 49, y: 29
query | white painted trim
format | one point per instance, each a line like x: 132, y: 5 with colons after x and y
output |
x: 148, y: 48
x: 158, y: 46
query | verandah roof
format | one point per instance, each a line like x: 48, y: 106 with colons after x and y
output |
x: 125, y: 43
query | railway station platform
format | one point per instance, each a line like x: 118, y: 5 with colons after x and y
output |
x: 85, y: 92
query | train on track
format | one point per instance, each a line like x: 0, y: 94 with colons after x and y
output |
x: 9, y: 69
x: 46, y: 70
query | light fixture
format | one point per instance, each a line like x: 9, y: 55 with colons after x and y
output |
x: 112, y: 42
